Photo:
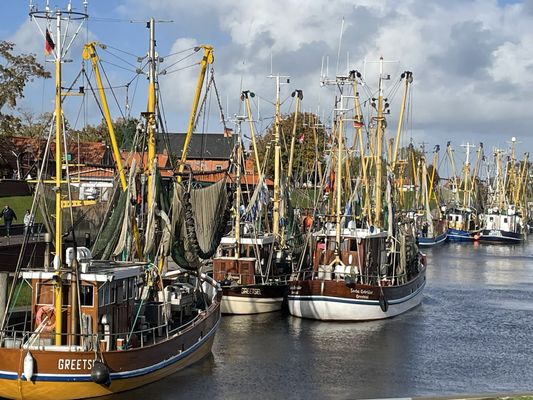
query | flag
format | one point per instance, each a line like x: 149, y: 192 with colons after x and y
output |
x: 301, y: 138
x: 228, y: 132
x: 49, y: 44
x: 357, y: 124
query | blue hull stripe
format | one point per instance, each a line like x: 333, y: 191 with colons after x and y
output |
x: 432, y: 242
x: 114, y: 375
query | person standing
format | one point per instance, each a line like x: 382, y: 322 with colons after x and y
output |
x: 28, y: 223
x: 9, y: 215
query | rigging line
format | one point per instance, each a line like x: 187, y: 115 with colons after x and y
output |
x: 94, y: 94
x: 118, y: 66
x: 180, y: 69
x: 180, y: 60
x: 113, y: 92
x: 179, y: 52
x: 122, y: 51
x: 120, y: 58
x: 221, y: 109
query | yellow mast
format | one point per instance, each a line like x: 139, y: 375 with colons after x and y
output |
x: 207, y: 59
x: 408, y: 78
x: 299, y: 96
x: 245, y: 96
x: 277, y: 166
x: 89, y: 52
x: 58, y: 261
x: 466, y: 177
x: 455, y: 184
x: 238, y: 192
x: 150, y: 114
x: 379, y: 142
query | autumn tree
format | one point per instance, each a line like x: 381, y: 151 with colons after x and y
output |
x: 15, y: 73
x: 309, y: 144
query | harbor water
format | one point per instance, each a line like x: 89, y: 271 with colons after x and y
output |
x: 471, y: 335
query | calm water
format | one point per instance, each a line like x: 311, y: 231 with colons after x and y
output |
x: 471, y: 335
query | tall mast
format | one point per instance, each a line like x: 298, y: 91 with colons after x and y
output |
x: 277, y: 161
x: 455, y: 184
x: 58, y: 288
x: 408, y: 75
x: 379, y: 140
x: 299, y: 96
x: 238, y: 191
x: 150, y: 116
x: 338, y: 183
x: 245, y: 96
x: 466, y: 177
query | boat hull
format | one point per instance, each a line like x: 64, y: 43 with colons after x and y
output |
x: 499, y: 236
x: 329, y: 300
x: 432, y: 241
x: 252, y: 299
x: 459, y: 235
x: 67, y: 375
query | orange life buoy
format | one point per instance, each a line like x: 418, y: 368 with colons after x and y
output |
x: 49, y: 313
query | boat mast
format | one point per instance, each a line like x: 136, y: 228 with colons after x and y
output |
x: 338, y: 183
x: 466, y: 178
x: 379, y: 139
x: 408, y: 79
x: 277, y: 162
x: 455, y: 184
x: 58, y: 262
x: 150, y: 114
x: 238, y: 191
x: 245, y: 95
x: 299, y: 96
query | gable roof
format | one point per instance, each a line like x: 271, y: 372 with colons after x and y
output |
x: 213, y: 146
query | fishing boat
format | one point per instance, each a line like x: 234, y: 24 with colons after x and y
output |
x: 461, y: 211
x: 504, y: 223
x: 431, y: 225
x: 112, y: 318
x: 253, y: 265
x: 365, y: 266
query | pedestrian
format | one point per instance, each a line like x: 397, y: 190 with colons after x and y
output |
x: 28, y: 223
x: 9, y: 215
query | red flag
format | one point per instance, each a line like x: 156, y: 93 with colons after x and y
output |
x: 49, y: 44
x: 301, y: 138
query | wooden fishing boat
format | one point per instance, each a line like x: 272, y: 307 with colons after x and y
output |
x: 365, y: 266
x: 95, y: 325
x: 250, y: 265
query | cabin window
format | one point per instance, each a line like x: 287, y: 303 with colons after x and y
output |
x: 113, y: 294
x: 353, y: 245
x: 103, y: 294
x: 505, y: 220
x: 491, y: 219
x: 456, y: 218
x: 44, y: 293
x: 86, y: 295
x: 131, y: 288
x: 124, y: 289
x: 332, y: 245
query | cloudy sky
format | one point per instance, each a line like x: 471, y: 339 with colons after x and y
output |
x: 472, y: 60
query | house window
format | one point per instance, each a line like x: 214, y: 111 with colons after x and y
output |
x: 218, y: 167
x: 86, y: 295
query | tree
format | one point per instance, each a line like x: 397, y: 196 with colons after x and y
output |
x: 15, y: 72
x: 305, y: 149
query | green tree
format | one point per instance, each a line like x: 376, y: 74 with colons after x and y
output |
x: 305, y: 150
x: 15, y: 72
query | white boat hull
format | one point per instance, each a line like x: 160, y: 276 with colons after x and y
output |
x: 250, y: 305
x: 328, y: 308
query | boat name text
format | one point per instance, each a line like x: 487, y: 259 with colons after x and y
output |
x: 254, y: 291
x: 74, y: 364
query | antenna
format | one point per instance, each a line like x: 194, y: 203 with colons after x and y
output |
x: 339, y: 49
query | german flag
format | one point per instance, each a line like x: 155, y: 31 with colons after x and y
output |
x: 49, y: 44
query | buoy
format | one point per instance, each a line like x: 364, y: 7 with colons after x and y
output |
x: 100, y: 373
x: 28, y: 366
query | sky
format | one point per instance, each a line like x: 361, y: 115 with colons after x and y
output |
x: 472, y: 60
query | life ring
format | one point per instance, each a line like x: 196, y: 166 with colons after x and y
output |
x: 49, y: 313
